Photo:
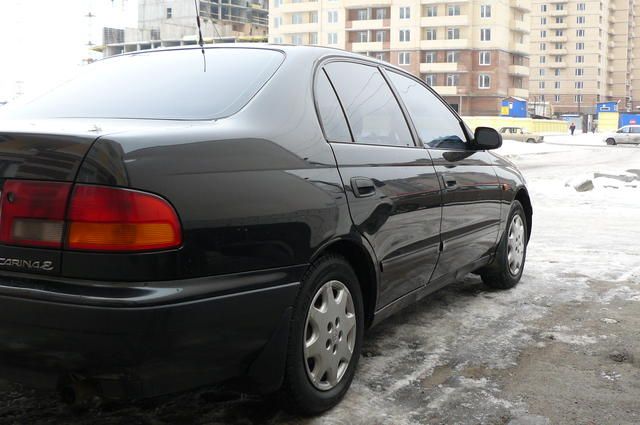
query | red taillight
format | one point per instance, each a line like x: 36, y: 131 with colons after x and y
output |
x: 98, y: 219
x: 112, y: 219
x: 33, y: 213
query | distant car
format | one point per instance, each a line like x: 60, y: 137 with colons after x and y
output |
x: 629, y: 134
x: 520, y: 134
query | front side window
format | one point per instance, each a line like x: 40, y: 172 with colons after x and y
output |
x: 372, y: 111
x: 436, y: 125
x: 333, y: 121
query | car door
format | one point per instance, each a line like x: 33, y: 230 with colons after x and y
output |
x: 392, y: 187
x: 634, y: 135
x: 622, y: 135
x: 471, y: 190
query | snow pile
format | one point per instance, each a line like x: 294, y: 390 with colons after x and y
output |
x: 599, y: 181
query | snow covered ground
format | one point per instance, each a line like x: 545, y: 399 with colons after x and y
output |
x: 563, y: 347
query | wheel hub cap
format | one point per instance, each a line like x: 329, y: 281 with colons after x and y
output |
x: 330, y: 335
x: 516, y: 245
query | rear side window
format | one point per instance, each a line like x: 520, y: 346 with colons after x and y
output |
x: 436, y: 125
x: 160, y: 85
x: 373, y: 112
x: 331, y: 115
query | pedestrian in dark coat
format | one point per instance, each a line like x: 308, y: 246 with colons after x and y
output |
x: 572, y: 127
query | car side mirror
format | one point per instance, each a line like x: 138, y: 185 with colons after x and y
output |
x: 487, y: 138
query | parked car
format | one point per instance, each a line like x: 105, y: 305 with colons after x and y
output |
x: 248, y: 221
x: 520, y: 134
x: 629, y: 134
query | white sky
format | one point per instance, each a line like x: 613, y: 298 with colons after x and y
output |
x: 45, y: 41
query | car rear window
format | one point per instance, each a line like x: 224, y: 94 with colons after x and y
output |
x: 159, y: 85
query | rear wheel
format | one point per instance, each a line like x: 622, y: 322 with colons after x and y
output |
x: 531, y: 141
x: 325, y: 338
x: 611, y: 141
x: 506, y: 270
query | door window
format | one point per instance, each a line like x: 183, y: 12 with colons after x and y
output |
x: 372, y: 110
x: 436, y: 125
x: 331, y: 116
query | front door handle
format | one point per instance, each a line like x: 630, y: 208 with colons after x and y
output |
x: 450, y: 182
x: 363, y: 187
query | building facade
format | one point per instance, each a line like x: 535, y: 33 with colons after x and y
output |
x: 473, y: 52
x: 169, y: 23
x: 582, y: 53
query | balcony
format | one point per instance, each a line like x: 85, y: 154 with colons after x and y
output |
x: 522, y: 93
x: 522, y: 5
x: 519, y: 70
x: 460, y: 43
x: 562, y: 64
x: 446, y: 90
x: 520, y: 26
x: 298, y: 28
x: 559, y: 13
x: 438, y: 67
x: 306, y: 6
x: 371, y: 46
x: 441, y: 21
x: 367, y: 24
x: 520, y: 48
x: 352, y: 4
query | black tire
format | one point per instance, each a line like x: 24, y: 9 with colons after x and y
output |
x: 298, y: 394
x: 611, y: 141
x: 498, y: 275
x: 531, y: 141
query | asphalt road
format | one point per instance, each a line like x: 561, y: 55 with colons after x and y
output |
x: 563, y: 347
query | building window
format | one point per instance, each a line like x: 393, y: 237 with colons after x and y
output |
x: 169, y: 12
x: 430, y: 79
x: 556, y: 72
x: 579, y: 84
x: 363, y: 14
x: 578, y: 98
x: 559, y: 6
x: 277, y: 21
x: 543, y: 46
x: 543, y: 59
x: 541, y: 84
x: 404, y: 58
x: 559, y: 20
x: 313, y: 38
x: 363, y: 36
x: 557, y: 84
x: 430, y: 34
x: 453, y: 10
x: 429, y: 57
x: 580, y: 20
x: 485, y: 34
x: 453, y: 33
x: 380, y: 36
x: 485, y: 11
x: 405, y: 35
x: 557, y: 98
x: 558, y: 59
x: 580, y: 46
x: 543, y: 21
x: 580, y: 59
x: 543, y: 8
x: 452, y: 79
x: 405, y: 12
x: 452, y: 57
x: 381, y: 13
x: 332, y: 16
x: 313, y: 17
x: 277, y: 3
x: 332, y: 38
x: 559, y: 33
x: 580, y: 33
x: 581, y: 6
x: 543, y: 33
x: 379, y: 56
x: 484, y: 81
x: 296, y: 18
x: 485, y: 58
x: 541, y: 72
x: 432, y: 11
x: 579, y: 72
x: 296, y: 39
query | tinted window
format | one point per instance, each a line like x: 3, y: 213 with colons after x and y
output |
x: 373, y: 112
x: 333, y: 120
x: 160, y: 85
x: 436, y: 125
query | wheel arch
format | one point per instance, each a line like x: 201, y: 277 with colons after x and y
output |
x: 364, y: 264
x: 523, y: 197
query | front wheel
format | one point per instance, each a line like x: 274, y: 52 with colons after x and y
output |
x: 611, y: 141
x: 531, y: 141
x: 325, y: 337
x: 506, y: 270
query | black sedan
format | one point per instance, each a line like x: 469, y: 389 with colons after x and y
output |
x: 166, y: 225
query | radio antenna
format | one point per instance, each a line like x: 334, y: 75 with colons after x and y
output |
x: 200, y: 39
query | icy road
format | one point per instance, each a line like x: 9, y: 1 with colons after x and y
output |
x: 563, y: 347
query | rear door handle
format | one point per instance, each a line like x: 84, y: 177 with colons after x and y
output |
x: 363, y: 187
x: 450, y: 182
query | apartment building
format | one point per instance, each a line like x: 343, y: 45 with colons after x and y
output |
x: 583, y: 52
x: 473, y: 52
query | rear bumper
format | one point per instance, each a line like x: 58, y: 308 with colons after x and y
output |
x: 138, y: 341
